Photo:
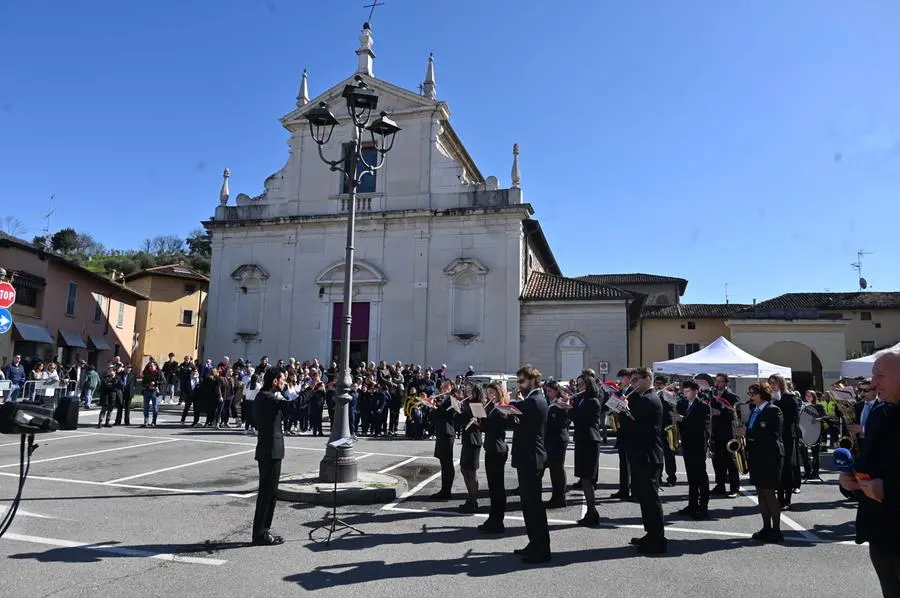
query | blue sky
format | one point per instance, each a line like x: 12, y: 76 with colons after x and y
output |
x: 743, y: 142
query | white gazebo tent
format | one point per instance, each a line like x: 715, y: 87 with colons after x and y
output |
x: 862, y: 366
x: 721, y: 356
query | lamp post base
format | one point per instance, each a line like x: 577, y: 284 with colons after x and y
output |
x: 345, y: 470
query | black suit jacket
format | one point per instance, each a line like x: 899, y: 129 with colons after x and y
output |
x: 765, y: 448
x: 791, y: 414
x: 443, y: 419
x: 494, y: 428
x: 645, y: 432
x: 586, y: 415
x: 722, y: 429
x: 472, y: 435
x: 528, y: 452
x: 879, y: 523
x: 127, y: 387
x: 557, y: 436
x: 267, y: 408
x: 695, y: 430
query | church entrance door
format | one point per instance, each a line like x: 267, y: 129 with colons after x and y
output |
x: 359, y: 332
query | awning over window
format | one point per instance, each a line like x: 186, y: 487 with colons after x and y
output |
x: 99, y: 343
x: 32, y: 333
x: 67, y: 338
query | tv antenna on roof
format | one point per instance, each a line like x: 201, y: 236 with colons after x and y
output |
x: 858, y: 266
x: 727, y: 296
x: 50, y: 211
x: 372, y: 6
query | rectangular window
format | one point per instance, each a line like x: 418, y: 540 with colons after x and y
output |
x: 120, y: 320
x: 865, y: 315
x: 367, y: 184
x: 116, y: 350
x: 71, y: 298
x: 187, y: 317
x: 677, y: 350
x: 867, y: 347
x: 26, y: 296
x: 692, y: 325
x: 98, y: 307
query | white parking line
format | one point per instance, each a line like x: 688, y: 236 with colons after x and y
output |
x: 118, y: 550
x: 133, y: 487
x: 362, y: 456
x: 400, y: 464
x: 43, y: 439
x: 109, y: 450
x: 174, y: 467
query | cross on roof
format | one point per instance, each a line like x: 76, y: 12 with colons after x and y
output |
x: 372, y: 6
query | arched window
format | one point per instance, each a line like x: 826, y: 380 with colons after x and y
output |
x: 571, y: 356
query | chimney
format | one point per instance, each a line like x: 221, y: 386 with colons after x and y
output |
x: 754, y: 301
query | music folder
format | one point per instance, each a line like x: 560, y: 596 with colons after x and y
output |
x: 454, y: 402
x: 478, y: 410
x: 508, y: 410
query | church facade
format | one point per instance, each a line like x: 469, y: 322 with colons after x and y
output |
x: 450, y: 267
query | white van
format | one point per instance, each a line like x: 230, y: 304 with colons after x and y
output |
x: 485, y: 380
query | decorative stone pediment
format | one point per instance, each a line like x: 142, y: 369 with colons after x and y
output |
x: 363, y: 274
x: 465, y: 265
x: 246, y: 271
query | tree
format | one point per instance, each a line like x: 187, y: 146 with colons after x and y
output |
x: 199, y: 244
x: 64, y: 240
x: 40, y: 241
x: 12, y: 226
x: 125, y: 265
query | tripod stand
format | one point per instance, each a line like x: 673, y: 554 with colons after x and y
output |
x: 335, y: 523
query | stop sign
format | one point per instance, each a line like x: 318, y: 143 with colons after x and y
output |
x: 7, y: 295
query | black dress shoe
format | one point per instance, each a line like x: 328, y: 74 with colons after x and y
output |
x: 468, y: 507
x: 688, y: 510
x: 590, y: 519
x: 555, y: 503
x: 671, y: 482
x: 776, y: 537
x: 620, y: 494
x: 718, y: 490
x: 522, y: 551
x: 268, y: 540
x: 653, y: 547
x: 536, y: 559
x: 638, y: 541
x: 441, y: 496
x: 700, y: 514
x: 491, y: 527
x: 762, y: 535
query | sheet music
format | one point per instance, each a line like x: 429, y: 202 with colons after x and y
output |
x: 478, y: 410
x: 508, y: 409
x: 669, y: 397
x: 617, y: 405
x: 454, y: 403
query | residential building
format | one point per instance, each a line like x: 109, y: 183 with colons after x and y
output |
x: 173, y: 317
x: 63, y: 311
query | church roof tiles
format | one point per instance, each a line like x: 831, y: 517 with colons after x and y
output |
x: 548, y: 287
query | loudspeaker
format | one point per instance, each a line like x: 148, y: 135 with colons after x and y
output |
x: 67, y: 413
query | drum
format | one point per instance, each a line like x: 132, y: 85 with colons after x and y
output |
x: 810, y: 426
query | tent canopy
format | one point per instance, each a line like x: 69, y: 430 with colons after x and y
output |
x: 723, y: 357
x: 861, y: 367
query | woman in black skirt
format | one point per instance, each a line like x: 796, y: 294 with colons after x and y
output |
x: 765, y: 453
x: 556, y: 443
x: 495, y: 455
x: 470, y: 452
x: 586, y: 413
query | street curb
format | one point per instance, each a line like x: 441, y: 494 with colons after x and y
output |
x: 371, y: 488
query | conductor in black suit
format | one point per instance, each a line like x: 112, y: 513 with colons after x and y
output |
x: 694, y: 425
x: 267, y: 410
x: 529, y: 458
x: 645, y: 456
x: 443, y: 419
x: 790, y: 436
x: 765, y: 454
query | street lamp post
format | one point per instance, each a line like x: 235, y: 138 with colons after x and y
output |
x: 339, y: 464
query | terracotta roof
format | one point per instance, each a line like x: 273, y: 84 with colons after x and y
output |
x: 548, y: 287
x: 176, y: 270
x: 696, y: 311
x: 635, y: 278
x: 21, y: 244
x: 799, y: 305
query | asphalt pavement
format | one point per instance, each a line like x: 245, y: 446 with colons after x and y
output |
x: 167, y: 511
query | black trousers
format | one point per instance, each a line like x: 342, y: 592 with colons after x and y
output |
x: 395, y: 420
x: 533, y: 511
x: 810, y: 457
x: 124, y: 408
x: 315, y: 422
x: 669, y: 455
x: 723, y: 465
x: 624, y: 473
x: 887, y: 567
x: 190, y: 401
x: 698, y: 480
x: 644, y: 480
x: 494, y: 465
x: 269, y: 474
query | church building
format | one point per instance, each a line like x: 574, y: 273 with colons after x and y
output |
x: 450, y: 268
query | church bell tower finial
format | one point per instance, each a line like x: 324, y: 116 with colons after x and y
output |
x: 516, y: 175
x: 365, y: 53
x: 428, y: 86
x: 303, y: 96
x: 224, y: 193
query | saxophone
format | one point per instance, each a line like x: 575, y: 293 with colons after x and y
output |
x: 672, y: 437
x: 737, y: 446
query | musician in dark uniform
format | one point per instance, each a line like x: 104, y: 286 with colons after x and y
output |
x: 529, y: 459
x: 645, y: 457
x: 765, y: 454
x: 668, y: 420
x: 787, y: 403
x: 722, y: 404
x: 470, y: 453
x: 556, y: 443
x: 442, y: 418
x: 495, y: 455
x: 624, y: 491
x: 694, y: 427
x: 586, y: 413
x: 267, y: 411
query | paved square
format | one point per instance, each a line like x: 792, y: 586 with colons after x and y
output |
x: 168, y: 511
